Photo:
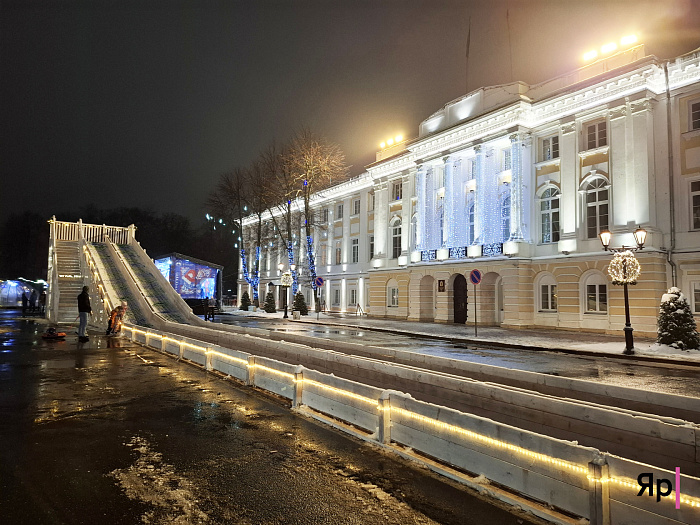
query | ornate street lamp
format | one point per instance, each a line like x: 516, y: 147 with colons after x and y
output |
x: 286, y: 281
x: 624, y: 269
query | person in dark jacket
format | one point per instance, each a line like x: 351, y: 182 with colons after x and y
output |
x: 25, y: 302
x: 84, y: 309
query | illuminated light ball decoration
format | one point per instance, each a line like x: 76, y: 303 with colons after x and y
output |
x: 624, y: 268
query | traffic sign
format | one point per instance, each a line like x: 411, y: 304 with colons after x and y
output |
x: 475, y: 277
x: 319, y: 281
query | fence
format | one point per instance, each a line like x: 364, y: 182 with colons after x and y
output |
x: 578, y: 480
x: 76, y: 231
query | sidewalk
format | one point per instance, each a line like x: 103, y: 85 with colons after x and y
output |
x: 530, y: 339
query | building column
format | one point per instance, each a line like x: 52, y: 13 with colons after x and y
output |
x: 420, y: 208
x: 569, y: 169
x: 621, y: 207
x: 518, y: 143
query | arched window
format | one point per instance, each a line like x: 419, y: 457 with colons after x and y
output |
x: 470, y: 219
x: 596, y: 195
x: 505, y: 215
x: 549, y: 215
x: 595, y: 294
x: 546, y: 293
x: 396, y: 238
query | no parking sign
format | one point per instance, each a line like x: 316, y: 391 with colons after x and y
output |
x: 319, y: 281
x: 475, y: 277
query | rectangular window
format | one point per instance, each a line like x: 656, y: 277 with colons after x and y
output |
x: 393, y: 297
x: 370, y: 202
x: 371, y: 247
x: 338, y: 255
x: 695, y: 204
x: 695, y: 116
x: 339, y: 212
x: 549, y: 297
x: 324, y: 215
x: 696, y: 298
x: 336, y: 297
x: 397, y: 191
x: 550, y: 148
x: 596, y: 135
x: 506, y: 160
x: 356, y: 207
x: 355, y: 250
x: 471, y: 169
x: 353, y: 296
x: 596, y: 298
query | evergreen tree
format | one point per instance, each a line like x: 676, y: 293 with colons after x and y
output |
x: 270, y: 306
x: 300, y: 304
x: 676, y: 325
x: 245, y: 302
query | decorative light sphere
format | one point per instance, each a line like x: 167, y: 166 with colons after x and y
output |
x: 624, y: 268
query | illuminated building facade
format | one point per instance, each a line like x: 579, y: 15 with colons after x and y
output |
x: 517, y: 181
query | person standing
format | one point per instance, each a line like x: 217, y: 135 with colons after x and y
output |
x: 32, y: 302
x: 25, y: 302
x: 42, y: 303
x: 84, y: 309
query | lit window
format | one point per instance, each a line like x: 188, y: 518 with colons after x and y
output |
x: 338, y: 254
x: 549, y: 215
x: 596, y: 208
x: 695, y: 203
x: 596, y: 135
x: 397, y: 191
x: 356, y: 207
x: 550, y: 148
x: 355, y: 250
x: 322, y: 255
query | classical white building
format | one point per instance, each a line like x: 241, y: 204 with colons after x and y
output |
x: 517, y: 181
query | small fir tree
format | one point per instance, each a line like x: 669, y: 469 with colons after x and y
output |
x: 676, y: 325
x: 300, y: 304
x: 245, y: 302
x: 270, y: 306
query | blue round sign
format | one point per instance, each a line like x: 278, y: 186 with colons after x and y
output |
x: 475, y: 276
x: 319, y: 281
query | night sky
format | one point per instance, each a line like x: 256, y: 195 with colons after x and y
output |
x: 145, y: 103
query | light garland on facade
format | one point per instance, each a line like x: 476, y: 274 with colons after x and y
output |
x: 624, y: 268
x: 311, y: 261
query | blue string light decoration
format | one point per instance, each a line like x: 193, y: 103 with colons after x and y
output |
x: 254, y: 279
x: 428, y: 255
x: 311, y: 261
x: 295, y: 277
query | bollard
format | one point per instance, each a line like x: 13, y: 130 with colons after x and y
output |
x: 250, y: 371
x: 298, y: 389
x: 181, y: 345
x: 599, y: 492
x: 384, y: 426
x: 208, y: 359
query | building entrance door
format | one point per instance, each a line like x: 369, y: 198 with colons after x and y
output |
x: 460, y: 299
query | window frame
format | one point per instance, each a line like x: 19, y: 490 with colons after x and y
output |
x: 694, y: 204
x: 505, y: 218
x: 356, y: 206
x: 395, y: 230
x: 397, y: 191
x: 586, y: 189
x: 694, y: 115
x: 695, y: 297
x: 370, y: 247
x: 554, y: 233
x: 393, y: 297
x: 506, y: 159
x: 370, y: 201
x: 597, y: 281
x: 338, y: 254
x: 355, y: 249
x: 339, y: 209
x: 548, y: 149
x: 547, y: 287
x: 598, y: 142
x: 324, y: 215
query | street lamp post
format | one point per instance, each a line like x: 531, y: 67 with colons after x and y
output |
x: 625, y: 269
x: 286, y: 280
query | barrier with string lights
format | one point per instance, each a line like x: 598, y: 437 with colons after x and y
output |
x: 578, y: 480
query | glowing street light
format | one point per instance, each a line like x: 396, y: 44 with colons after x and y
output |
x: 610, y: 47
x: 625, y: 269
x: 391, y: 141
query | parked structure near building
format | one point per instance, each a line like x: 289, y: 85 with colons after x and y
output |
x: 518, y: 180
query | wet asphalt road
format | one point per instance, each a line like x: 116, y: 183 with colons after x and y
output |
x: 111, y: 433
x: 656, y: 377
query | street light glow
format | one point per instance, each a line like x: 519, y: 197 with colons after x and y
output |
x: 628, y: 40
x: 590, y: 55
x: 608, y: 48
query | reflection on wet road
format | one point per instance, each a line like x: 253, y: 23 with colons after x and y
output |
x: 671, y: 379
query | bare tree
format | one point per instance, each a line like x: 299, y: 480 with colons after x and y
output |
x: 315, y: 165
